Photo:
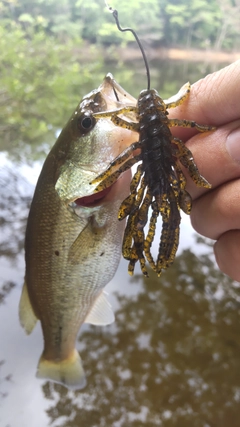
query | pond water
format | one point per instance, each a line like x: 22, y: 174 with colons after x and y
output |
x: 172, y: 357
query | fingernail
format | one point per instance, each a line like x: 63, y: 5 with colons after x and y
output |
x: 233, y: 144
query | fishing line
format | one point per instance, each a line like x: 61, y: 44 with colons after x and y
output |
x: 115, y: 15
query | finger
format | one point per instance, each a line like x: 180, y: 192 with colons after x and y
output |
x: 216, y: 97
x: 217, y: 156
x: 213, y: 100
x: 227, y: 255
x: 218, y: 211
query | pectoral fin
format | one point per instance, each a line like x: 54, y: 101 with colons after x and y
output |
x: 77, y: 248
x: 27, y: 316
x: 101, y: 312
x: 86, y: 241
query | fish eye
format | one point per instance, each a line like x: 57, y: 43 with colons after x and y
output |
x: 86, y: 122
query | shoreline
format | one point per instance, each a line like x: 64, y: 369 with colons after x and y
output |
x: 175, y: 54
x: 113, y: 53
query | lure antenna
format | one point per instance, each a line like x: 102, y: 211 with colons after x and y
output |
x: 115, y: 15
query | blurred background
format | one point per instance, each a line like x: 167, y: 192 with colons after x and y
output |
x: 172, y: 357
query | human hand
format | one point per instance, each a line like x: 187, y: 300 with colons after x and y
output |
x: 215, y: 100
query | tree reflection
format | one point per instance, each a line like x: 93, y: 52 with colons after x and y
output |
x: 5, y: 289
x: 3, y: 380
x: 171, y: 358
x: 14, y: 206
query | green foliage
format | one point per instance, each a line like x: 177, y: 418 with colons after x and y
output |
x: 168, y: 21
x: 143, y: 16
x: 196, y: 20
x: 44, y: 52
x: 42, y: 80
x: 174, y: 350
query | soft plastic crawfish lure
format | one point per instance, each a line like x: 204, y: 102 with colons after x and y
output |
x: 159, y: 182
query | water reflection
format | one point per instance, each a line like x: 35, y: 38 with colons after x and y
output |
x: 16, y: 194
x: 172, y: 357
x: 5, y: 290
x: 167, y: 76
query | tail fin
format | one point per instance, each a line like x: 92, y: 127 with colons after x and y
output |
x: 68, y: 372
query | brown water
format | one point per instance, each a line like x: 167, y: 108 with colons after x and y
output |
x: 172, y: 357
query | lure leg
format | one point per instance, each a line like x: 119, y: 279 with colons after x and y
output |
x: 179, y: 98
x: 174, y: 180
x: 150, y: 236
x: 186, y: 158
x: 189, y: 124
x: 134, y: 238
x: 129, y: 250
x: 185, y: 201
x: 180, y: 177
x: 111, y: 178
x: 184, y: 198
x: 115, y: 112
x: 118, y: 121
x: 124, y: 155
x: 127, y: 238
x: 138, y: 247
x: 130, y: 203
x: 138, y: 236
x: 170, y: 232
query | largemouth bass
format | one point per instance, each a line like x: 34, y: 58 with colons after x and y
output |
x: 73, y: 237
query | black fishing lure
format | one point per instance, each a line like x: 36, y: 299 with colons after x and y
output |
x: 159, y: 182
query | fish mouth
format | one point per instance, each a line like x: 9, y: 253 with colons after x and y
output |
x: 94, y: 199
